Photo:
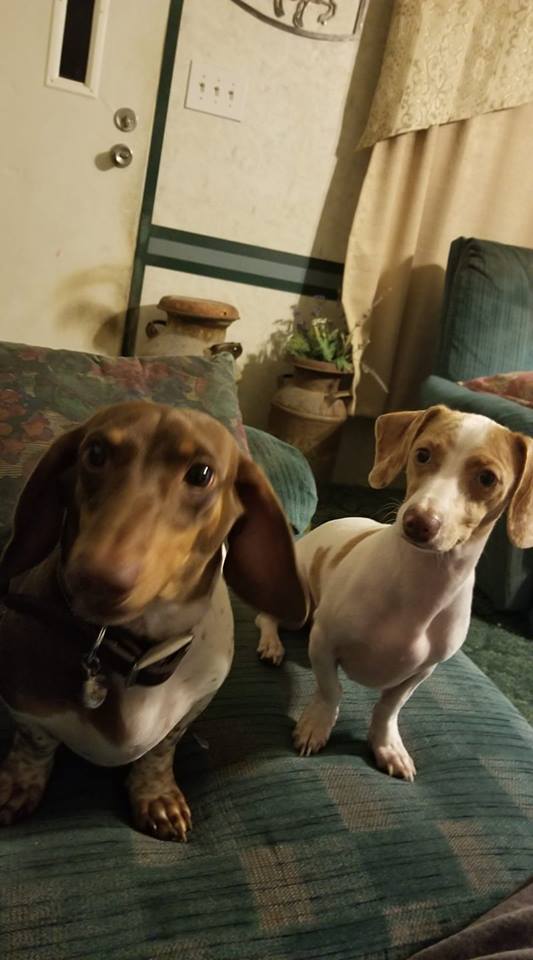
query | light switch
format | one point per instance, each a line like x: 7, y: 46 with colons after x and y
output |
x: 215, y: 90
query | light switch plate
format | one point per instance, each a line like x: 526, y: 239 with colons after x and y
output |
x: 215, y: 90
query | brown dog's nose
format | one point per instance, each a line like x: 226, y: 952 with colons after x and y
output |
x: 421, y: 526
x: 110, y: 581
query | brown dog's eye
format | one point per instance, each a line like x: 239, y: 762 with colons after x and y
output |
x: 423, y: 455
x: 96, y: 453
x: 199, y: 475
x: 487, y: 478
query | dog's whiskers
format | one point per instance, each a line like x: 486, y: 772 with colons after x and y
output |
x: 389, y: 510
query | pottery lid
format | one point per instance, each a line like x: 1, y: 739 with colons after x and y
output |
x: 196, y: 309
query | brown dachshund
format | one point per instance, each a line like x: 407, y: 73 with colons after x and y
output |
x: 118, y: 629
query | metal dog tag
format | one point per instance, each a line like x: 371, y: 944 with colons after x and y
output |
x: 95, y: 686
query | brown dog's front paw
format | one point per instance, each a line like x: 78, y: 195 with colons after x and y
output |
x: 166, y: 817
x: 21, y: 789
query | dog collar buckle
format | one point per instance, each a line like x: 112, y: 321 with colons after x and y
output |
x: 174, y: 647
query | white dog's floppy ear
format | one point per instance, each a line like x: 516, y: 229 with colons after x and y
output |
x: 520, y: 512
x: 395, y: 433
x: 39, y: 512
x: 261, y: 562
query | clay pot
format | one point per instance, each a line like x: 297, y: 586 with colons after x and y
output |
x: 309, y: 410
x: 193, y: 326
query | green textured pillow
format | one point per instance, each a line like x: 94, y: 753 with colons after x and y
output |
x: 487, y: 314
x: 290, y: 475
x: 43, y: 392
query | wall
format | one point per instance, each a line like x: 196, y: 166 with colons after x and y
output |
x: 285, y: 178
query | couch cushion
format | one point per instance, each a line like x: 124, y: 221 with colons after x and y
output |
x: 289, y: 473
x: 509, y: 414
x: 289, y: 858
x: 43, y: 392
x: 513, y: 386
x: 487, y: 313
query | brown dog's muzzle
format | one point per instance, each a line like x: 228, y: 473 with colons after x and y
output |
x: 101, y: 586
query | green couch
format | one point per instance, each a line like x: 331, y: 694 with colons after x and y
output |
x: 487, y: 328
x: 290, y: 858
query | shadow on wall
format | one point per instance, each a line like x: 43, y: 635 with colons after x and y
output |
x: 404, y: 337
x: 261, y: 370
x: 406, y: 333
x: 86, y: 299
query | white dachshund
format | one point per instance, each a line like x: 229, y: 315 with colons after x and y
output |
x: 391, y: 601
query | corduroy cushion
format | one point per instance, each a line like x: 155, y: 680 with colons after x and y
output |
x: 487, y: 314
x: 290, y: 858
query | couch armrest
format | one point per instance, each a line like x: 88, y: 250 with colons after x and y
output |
x: 505, y: 412
x: 290, y: 475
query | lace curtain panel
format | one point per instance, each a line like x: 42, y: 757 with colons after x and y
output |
x: 449, y: 60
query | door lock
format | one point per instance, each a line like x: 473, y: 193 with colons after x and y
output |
x: 125, y: 119
x: 121, y: 155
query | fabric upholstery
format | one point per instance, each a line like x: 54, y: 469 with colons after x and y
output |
x: 506, y: 412
x: 505, y: 932
x: 487, y: 312
x: 290, y: 858
x: 289, y: 474
x: 517, y: 386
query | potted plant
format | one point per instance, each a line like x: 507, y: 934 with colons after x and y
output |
x: 309, y: 407
x: 321, y: 344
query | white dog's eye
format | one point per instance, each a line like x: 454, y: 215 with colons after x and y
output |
x: 487, y: 478
x: 199, y: 475
x: 423, y: 455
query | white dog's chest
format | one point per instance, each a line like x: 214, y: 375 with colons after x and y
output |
x: 139, y: 717
x: 380, y: 645
x: 379, y: 656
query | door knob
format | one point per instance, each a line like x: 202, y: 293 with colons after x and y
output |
x: 121, y: 155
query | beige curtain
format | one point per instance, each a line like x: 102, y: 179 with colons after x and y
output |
x: 422, y: 190
x: 448, y: 60
x: 444, y: 60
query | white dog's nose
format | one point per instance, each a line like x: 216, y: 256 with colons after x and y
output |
x: 421, y: 526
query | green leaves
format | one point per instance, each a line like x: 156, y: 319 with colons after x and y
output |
x: 321, y: 339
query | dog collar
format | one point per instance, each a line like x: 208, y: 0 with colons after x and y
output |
x: 114, y: 650
x: 123, y: 652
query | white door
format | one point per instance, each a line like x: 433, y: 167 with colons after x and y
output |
x: 69, y: 216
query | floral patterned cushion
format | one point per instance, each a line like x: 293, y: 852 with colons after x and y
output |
x: 43, y: 392
x: 512, y: 386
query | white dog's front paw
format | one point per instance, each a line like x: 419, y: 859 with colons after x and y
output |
x: 271, y: 649
x: 394, y: 759
x: 314, y: 727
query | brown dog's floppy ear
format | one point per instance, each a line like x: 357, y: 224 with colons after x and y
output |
x: 39, y: 512
x: 520, y: 512
x: 395, y: 433
x: 261, y: 563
